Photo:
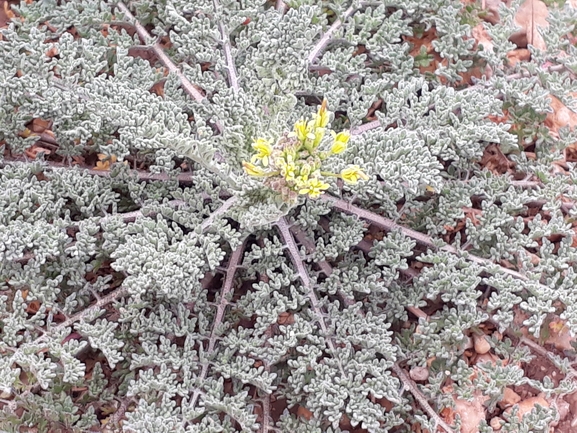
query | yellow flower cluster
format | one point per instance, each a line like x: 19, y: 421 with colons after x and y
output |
x: 292, y: 166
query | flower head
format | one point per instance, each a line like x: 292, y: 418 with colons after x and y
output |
x: 293, y: 166
x: 314, y: 187
x: 352, y: 174
x: 264, y: 150
x: 340, y: 143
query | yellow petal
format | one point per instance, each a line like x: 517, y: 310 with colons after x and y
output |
x: 352, y: 174
x: 338, y: 147
x: 322, y: 116
x: 253, y: 170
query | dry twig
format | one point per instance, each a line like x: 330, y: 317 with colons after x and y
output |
x: 327, y: 36
x: 421, y: 238
x: 227, y: 289
x: 232, y: 75
x: 294, y: 254
x: 421, y: 399
x: 164, y: 59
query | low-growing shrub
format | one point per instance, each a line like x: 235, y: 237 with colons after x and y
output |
x: 186, y: 247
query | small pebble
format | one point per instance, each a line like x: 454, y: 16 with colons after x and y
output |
x: 495, y: 423
x: 482, y: 346
x: 528, y: 405
x: 510, y: 398
x: 419, y: 374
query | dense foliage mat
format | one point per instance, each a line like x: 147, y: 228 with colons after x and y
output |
x: 185, y: 247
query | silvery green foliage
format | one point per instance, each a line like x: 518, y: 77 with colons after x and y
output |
x: 197, y: 312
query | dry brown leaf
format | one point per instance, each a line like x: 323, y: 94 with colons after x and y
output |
x: 373, y: 109
x: 425, y: 41
x: 571, y: 153
x: 531, y: 16
x: 79, y: 388
x: 25, y: 134
x: 559, y: 335
x: 52, y: 52
x: 78, y: 160
x: 34, y: 150
x: 495, y: 161
x: 108, y: 408
x: 572, y: 400
x: 33, y: 307
x: 345, y: 423
x: 104, y: 161
x: 38, y: 125
x: 385, y: 403
x: 303, y: 412
x: 158, y: 88
x: 104, y: 30
x: 7, y: 14
x: 563, y: 410
x: 286, y: 318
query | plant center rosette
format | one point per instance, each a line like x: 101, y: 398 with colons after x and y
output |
x: 293, y: 166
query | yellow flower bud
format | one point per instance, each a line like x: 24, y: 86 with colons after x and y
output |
x: 287, y: 167
x: 302, y: 130
x: 318, y: 136
x: 264, y: 150
x: 253, y: 170
x: 322, y: 116
x: 352, y: 174
x: 340, y: 143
